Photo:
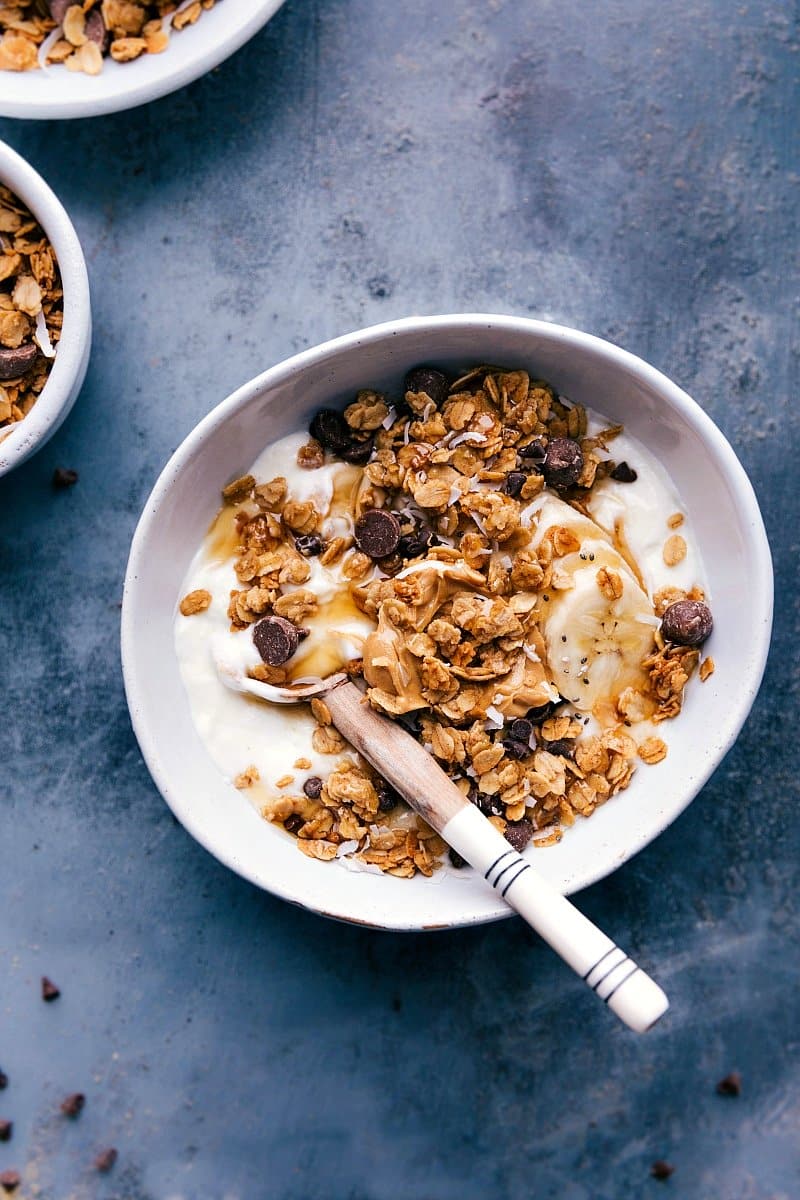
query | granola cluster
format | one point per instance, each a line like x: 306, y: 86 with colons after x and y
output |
x: 39, y: 33
x: 443, y: 557
x: 31, y: 309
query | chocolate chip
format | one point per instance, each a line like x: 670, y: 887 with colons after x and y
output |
x: 105, y: 1160
x: 537, y: 715
x: 515, y: 481
x: 624, y: 474
x: 430, y: 380
x: 412, y: 545
x: 14, y: 363
x: 73, y: 1105
x: 293, y: 823
x: 357, y: 452
x: 49, y: 989
x: 388, y: 798
x: 308, y: 544
x: 377, y: 533
x: 731, y: 1085
x: 6, y: 1129
x: 687, y: 622
x: 10, y: 1180
x: 563, y: 462
x: 515, y: 749
x: 490, y: 806
x: 275, y: 639
x: 95, y: 30
x: 330, y: 428
x: 3, y: 1080
x: 535, y: 451
x: 313, y: 787
x: 392, y: 565
x: 520, y: 729
x: 563, y: 747
x: 455, y: 859
x: 661, y: 1169
x: 64, y: 477
x: 519, y: 833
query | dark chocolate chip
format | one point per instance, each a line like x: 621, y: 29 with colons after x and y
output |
x: 543, y: 711
x: 293, y: 823
x: 520, y: 729
x: 275, y: 639
x: 412, y: 545
x: 388, y: 798
x: 490, y: 806
x: 519, y: 833
x: 563, y: 746
x: 536, y: 452
x: 302, y: 634
x: 73, y: 1105
x: 731, y: 1085
x: 6, y: 1130
x: 430, y: 380
x: 10, y: 1180
x: 313, y: 787
x: 624, y: 474
x: 563, y: 462
x: 687, y: 622
x: 330, y: 428
x: 308, y: 544
x: 105, y: 1160
x: 64, y: 477
x: 455, y: 859
x: 392, y: 565
x: 661, y: 1169
x: 49, y: 989
x: 377, y: 533
x: 515, y: 481
x: 515, y: 749
x: 14, y: 363
x: 3, y: 1080
x: 357, y: 453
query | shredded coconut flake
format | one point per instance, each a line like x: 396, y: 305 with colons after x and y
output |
x: 47, y: 46
x: 390, y: 418
x: 496, y: 719
x: 42, y: 337
x: 346, y: 848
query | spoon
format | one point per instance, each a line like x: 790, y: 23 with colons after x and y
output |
x: 414, y: 773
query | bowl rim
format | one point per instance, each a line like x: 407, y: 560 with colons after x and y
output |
x: 133, y: 92
x: 748, y: 513
x: 72, y: 356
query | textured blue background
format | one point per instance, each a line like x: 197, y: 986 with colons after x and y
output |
x: 629, y: 168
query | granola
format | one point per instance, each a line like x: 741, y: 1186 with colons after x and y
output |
x: 504, y: 624
x: 31, y: 309
x: 79, y: 35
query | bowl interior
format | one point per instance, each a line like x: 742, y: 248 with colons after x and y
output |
x: 716, y: 494
x: 56, y: 93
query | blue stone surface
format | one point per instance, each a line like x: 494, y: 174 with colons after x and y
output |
x: 628, y: 168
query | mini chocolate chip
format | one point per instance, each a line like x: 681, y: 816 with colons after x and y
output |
x: 10, y: 1180
x: 14, y: 363
x: 519, y: 833
x: 293, y: 823
x: 562, y: 746
x: 313, y: 787
x: 490, y: 806
x: 73, y: 1105
x: 563, y: 462
x: 3, y: 1080
x: 392, y: 565
x: 275, y: 639
x: 536, y: 451
x: 520, y: 729
x: 412, y: 545
x: 330, y: 428
x: 377, y: 533
x: 64, y: 477
x: 661, y: 1169
x: 515, y: 481
x: 388, y: 798
x: 357, y: 453
x: 624, y: 474
x: 687, y: 622
x: 430, y: 380
x: 731, y: 1085
x: 543, y: 711
x: 308, y: 544
x: 515, y: 749
x: 49, y: 989
x: 6, y: 1129
x: 455, y: 859
x: 105, y: 1160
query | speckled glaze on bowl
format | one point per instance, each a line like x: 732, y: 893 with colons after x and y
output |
x: 717, y: 496
x: 72, y: 356
x: 57, y: 94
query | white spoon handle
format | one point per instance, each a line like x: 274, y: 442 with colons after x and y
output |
x: 416, y: 775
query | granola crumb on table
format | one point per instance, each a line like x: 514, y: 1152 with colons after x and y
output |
x: 457, y: 653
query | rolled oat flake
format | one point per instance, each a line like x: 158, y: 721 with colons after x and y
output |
x: 377, y: 533
x: 687, y: 622
x: 275, y: 639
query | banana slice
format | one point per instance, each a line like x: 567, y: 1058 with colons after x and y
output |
x: 598, y: 624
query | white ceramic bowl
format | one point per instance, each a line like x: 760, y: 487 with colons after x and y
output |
x: 72, y: 354
x: 718, y: 499
x: 58, y: 93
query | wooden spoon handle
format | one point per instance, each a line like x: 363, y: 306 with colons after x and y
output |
x: 407, y: 766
